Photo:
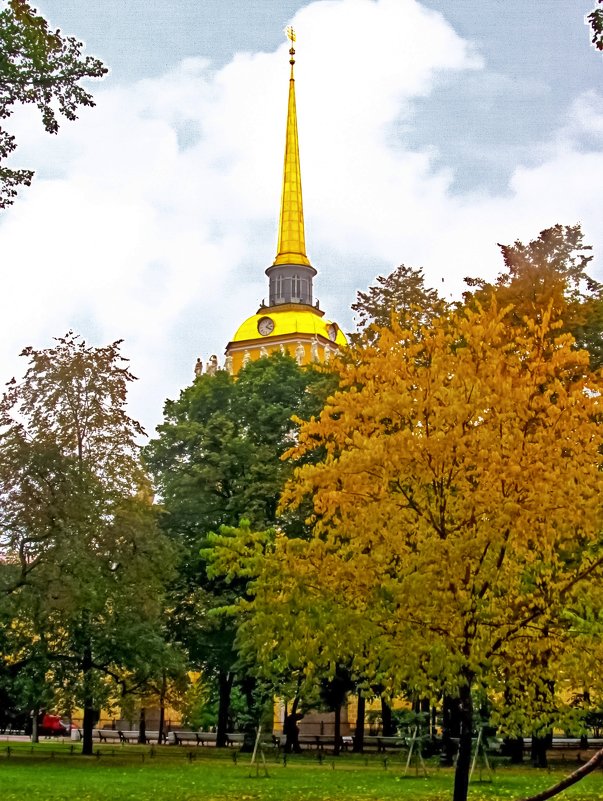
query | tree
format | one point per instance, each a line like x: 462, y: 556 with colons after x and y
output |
x: 217, y: 456
x: 549, y: 272
x: 457, y: 509
x: 78, y: 533
x: 215, y: 462
x: 237, y: 556
x: 39, y: 66
x: 402, y: 295
x: 595, y: 19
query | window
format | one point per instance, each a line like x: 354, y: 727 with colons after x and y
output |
x: 296, y: 287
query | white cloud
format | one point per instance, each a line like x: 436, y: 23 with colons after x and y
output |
x: 153, y: 217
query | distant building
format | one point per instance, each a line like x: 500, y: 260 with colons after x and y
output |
x: 292, y: 321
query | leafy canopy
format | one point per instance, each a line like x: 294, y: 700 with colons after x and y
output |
x: 78, y: 532
x: 401, y: 295
x: 550, y: 272
x: 42, y: 67
x: 595, y: 19
x: 216, y: 459
x: 456, y: 509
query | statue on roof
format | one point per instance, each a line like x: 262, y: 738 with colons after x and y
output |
x: 212, y: 365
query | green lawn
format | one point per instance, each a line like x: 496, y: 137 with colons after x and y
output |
x: 131, y: 773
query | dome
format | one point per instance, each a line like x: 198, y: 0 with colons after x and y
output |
x: 288, y: 323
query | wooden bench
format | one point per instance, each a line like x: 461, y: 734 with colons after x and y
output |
x: 322, y: 741
x: 207, y: 737
x: 575, y: 743
x: 236, y: 738
x: 566, y: 743
x: 129, y: 736
x: 184, y: 737
x: 134, y: 735
x: 382, y: 744
x: 196, y: 737
x: 105, y: 735
x: 122, y: 736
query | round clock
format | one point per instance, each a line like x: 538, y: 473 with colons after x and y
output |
x: 332, y: 331
x: 265, y: 326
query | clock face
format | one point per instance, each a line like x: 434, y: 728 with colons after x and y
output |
x: 265, y: 326
x: 332, y: 330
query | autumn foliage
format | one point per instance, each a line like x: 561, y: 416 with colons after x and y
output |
x: 457, y: 509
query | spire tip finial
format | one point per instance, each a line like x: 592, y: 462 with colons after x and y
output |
x: 290, y: 33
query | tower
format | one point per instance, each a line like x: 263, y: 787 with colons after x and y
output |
x: 292, y: 321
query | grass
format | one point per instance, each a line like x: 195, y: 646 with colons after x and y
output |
x: 50, y: 772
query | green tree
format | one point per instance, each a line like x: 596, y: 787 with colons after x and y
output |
x: 39, y: 66
x: 595, y: 19
x: 217, y: 460
x: 83, y: 561
x: 401, y: 295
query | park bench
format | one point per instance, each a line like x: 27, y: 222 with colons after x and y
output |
x: 382, y: 744
x: 207, y: 737
x: 322, y: 741
x: 199, y: 738
x: 152, y: 736
x: 123, y: 735
x: 568, y: 743
x: 133, y: 736
x: 9, y: 730
x: 575, y: 743
x: 184, y: 737
x: 203, y: 738
x: 105, y: 735
x: 129, y: 736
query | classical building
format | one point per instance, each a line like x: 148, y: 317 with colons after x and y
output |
x: 292, y: 321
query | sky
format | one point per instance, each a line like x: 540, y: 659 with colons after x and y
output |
x: 429, y: 132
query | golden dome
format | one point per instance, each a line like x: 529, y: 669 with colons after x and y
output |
x: 287, y: 323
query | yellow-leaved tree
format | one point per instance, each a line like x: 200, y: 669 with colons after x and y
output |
x: 457, y: 509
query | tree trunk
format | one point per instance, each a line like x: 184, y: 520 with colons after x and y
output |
x: 162, y: 695
x: 359, y: 732
x: 538, y: 751
x: 463, y: 762
x: 574, y: 777
x: 450, y: 730
x: 337, y: 748
x: 248, y: 686
x: 225, y: 680
x: 513, y: 747
x: 142, y: 727
x: 386, y: 719
x: 35, y: 732
x: 291, y: 729
x: 88, y: 701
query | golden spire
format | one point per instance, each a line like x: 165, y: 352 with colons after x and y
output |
x: 291, y: 236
